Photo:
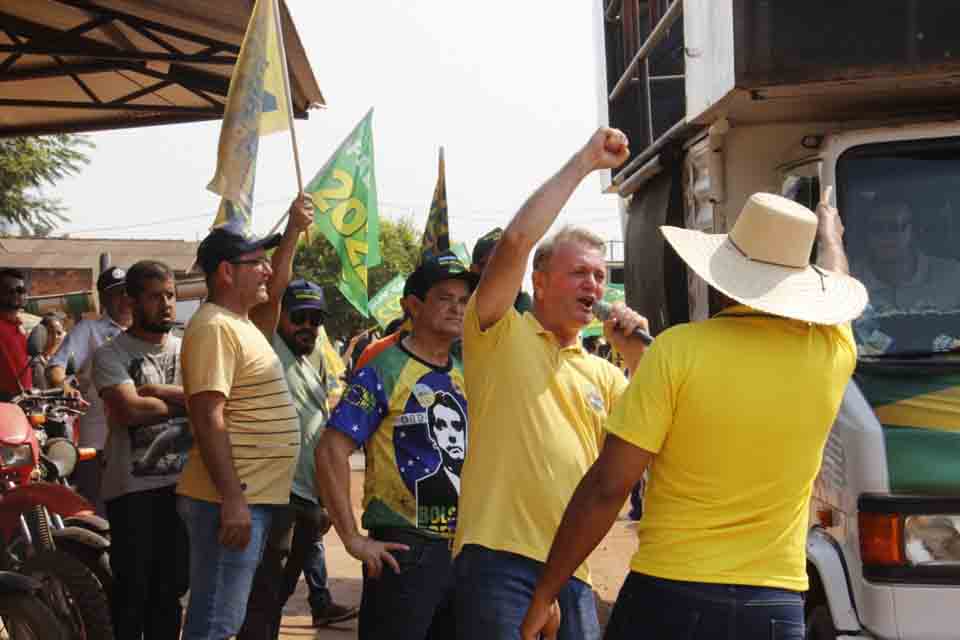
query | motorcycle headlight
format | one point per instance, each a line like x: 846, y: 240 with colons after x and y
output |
x: 16, y: 456
x: 931, y: 540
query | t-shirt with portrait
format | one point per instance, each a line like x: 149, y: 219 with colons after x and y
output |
x: 412, y: 418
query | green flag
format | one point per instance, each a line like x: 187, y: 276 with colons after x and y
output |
x: 613, y: 293
x: 345, y: 210
x: 459, y: 249
x: 385, y: 306
x: 436, y: 235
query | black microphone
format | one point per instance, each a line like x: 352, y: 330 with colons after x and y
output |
x: 601, y: 310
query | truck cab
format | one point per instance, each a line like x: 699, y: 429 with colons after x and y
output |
x: 724, y: 98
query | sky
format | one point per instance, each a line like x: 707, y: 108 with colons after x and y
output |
x: 510, y: 89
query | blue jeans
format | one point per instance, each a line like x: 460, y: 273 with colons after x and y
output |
x: 220, y: 579
x: 315, y: 574
x: 417, y: 603
x: 649, y: 607
x: 494, y: 589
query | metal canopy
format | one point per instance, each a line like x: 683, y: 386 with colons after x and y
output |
x: 85, y: 65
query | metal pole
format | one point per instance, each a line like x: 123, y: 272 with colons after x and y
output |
x: 658, y: 33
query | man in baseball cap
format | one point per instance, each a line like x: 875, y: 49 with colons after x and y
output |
x: 242, y: 416
x: 80, y: 344
x: 295, y: 541
x: 407, y: 407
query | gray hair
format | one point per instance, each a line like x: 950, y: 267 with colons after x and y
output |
x: 567, y: 234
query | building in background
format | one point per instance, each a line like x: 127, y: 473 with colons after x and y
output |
x: 62, y: 272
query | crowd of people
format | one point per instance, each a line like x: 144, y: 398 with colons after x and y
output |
x: 499, y: 448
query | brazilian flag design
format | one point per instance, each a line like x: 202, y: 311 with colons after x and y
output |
x: 919, y: 408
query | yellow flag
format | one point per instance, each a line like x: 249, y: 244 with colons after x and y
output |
x: 258, y: 104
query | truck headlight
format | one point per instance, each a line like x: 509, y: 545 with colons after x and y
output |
x: 932, y: 539
x: 16, y: 456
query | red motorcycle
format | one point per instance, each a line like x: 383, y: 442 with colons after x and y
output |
x: 39, y: 512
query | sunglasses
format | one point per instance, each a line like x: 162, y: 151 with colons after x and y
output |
x: 18, y: 290
x: 302, y: 316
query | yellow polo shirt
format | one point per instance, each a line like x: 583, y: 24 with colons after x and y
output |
x: 737, y: 410
x: 536, y: 414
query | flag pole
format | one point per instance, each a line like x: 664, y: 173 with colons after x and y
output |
x: 286, y: 85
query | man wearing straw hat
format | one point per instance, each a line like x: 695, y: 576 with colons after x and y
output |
x: 730, y: 415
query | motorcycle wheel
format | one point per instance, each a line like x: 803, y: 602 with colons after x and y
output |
x: 98, y: 561
x: 25, y: 617
x: 73, y: 593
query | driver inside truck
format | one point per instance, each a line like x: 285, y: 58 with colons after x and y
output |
x: 899, y: 275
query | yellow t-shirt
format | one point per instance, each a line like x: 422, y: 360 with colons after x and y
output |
x: 537, y: 413
x: 737, y: 410
x: 225, y: 352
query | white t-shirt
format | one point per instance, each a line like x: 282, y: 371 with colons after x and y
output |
x: 81, y: 341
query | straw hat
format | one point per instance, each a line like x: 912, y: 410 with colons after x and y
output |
x: 765, y: 263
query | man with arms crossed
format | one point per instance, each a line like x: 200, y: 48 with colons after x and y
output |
x: 245, y: 427
x: 722, y: 543
x: 138, y: 377
x: 538, y: 402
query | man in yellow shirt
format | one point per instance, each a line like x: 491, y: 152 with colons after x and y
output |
x: 735, y: 412
x: 245, y: 427
x: 538, y: 402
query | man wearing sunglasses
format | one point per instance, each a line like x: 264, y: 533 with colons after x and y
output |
x: 245, y: 426
x: 900, y: 274
x: 14, y: 371
x: 295, y: 542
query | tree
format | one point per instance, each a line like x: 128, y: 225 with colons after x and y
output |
x: 27, y: 165
x: 399, y: 251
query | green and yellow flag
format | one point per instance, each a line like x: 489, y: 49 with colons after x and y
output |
x: 258, y: 103
x: 436, y: 236
x: 345, y: 210
x: 385, y: 306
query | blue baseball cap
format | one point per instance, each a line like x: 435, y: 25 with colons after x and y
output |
x: 303, y: 294
x: 224, y: 244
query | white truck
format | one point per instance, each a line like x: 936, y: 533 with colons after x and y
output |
x: 724, y: 98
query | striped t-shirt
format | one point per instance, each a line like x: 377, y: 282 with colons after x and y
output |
x: 225, y: 352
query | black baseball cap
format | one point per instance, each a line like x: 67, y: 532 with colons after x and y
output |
x: 110, y: 278
x: 223, y: 244
x: 303, y: 294
x: 445, y: 266
x: 485, y: 245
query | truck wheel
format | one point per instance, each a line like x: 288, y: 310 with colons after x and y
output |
x: 820, y: 624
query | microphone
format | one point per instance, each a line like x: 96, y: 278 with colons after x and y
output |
x: 601, y: 309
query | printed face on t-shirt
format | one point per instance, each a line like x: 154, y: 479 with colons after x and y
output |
x: 448, y: 431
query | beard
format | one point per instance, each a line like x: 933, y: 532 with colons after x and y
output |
x: 160, y: 326
x: 300, y: 343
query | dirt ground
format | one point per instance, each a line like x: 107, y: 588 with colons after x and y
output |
x: 608, y: 564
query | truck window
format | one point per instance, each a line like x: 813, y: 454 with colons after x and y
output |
x: 900, y: 204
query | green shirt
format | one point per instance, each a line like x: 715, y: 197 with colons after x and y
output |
x: 308, y: 388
